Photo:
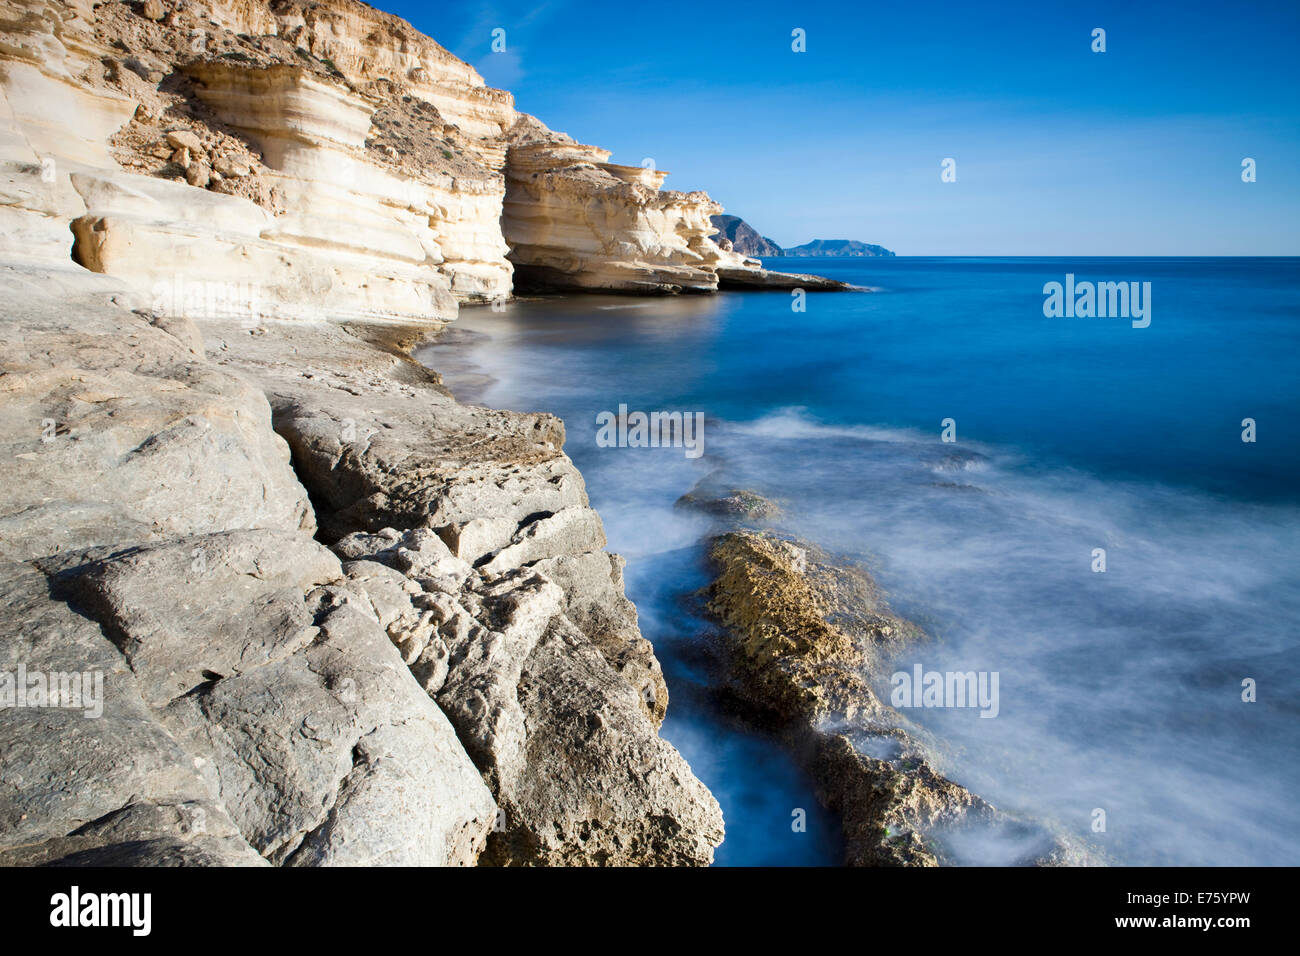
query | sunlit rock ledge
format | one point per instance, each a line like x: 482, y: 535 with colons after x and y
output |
x: 350, y: 166
x: 337, y: 617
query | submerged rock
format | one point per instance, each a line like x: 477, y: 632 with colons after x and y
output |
x: 803, y: 635
x: 734, y: 503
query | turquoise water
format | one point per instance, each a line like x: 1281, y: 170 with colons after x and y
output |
x: 1119, y: 691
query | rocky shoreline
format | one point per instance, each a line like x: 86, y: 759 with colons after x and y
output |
x: 803, y: 635
x: 273, y: 596
x: 458, y: 679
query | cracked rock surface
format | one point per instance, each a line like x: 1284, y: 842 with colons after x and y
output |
x: 457, y: 679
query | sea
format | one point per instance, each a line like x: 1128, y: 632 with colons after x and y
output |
x: 1102, y: 510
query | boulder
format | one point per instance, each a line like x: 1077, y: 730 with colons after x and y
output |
x: 603, y: 788
x: 186, y: 140
x: 804, y: 634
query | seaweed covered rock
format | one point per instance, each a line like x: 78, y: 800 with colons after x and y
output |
x: 803, y: 637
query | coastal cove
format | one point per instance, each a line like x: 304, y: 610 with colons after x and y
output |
x: 1072, y: 435
x: 391, y: 479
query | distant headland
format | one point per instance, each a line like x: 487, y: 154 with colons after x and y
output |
x: 747, y: 240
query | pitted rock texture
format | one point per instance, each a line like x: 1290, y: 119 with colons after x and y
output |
x: 804, y: 635
x: 263, y: 699
x: 471, y: 533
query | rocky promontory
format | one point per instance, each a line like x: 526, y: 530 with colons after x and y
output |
x: 338, y: 617
x: 743, y: 237
x: 272, y: 595
x: 838, y: 247
x: 318, y: 147
x: 736, y: 235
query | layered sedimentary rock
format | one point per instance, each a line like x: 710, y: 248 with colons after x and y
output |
x: 460, y: 680
x: 520, y: 630
x: 381, y: 54
x: 334, y: 617
x: 241, y: 702
x: 328, y: 150
x: 574, y: 220
x: 261, y: 173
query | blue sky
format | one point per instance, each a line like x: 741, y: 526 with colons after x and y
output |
x: 1059, y: 150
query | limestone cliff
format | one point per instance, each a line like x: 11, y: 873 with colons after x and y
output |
x: 574, y: 220
x: 336, y: 617
x: 459, y: 679
x: 256, y: 155
x: 326, y: 148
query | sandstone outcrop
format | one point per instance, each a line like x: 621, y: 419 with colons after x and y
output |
x: 273, y: 156
x: 213, y: 150
x: 575, y: 221
x: 266, y: 699
x: 339, y: 618
x: 242, y: 703
x: 117, y: 430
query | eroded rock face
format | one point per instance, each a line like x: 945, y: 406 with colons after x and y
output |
x: 213, y: 150
x: 575, y: 221
x: 302, y: 717
x: 563, y: 736
x: 594, y: 601
x: 268, y: 193
x: 238, y: 699
x: 279, y: 156
x: 804, y: 635
x: 264, y: 699
x: 422, y: 222
x: 607, y: 789
x: 116, y: 429
x: 470, y: 531
x: 62, y: 772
